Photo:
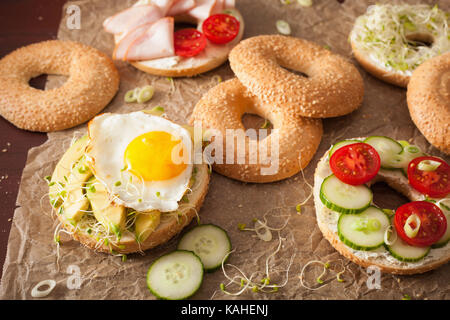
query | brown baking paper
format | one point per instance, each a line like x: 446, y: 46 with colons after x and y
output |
x: 32, y: 254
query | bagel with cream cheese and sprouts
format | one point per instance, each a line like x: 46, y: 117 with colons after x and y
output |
x: 391, y: 41
x: 145, y: 35
x: 412, y: 239
x: 128, y: 192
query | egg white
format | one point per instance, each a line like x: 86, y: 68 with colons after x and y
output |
x: 109, y: 136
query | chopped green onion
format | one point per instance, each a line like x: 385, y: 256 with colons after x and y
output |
x: 285, y: 2
x: 410, y: 231
x: 130, y: 97
x: 51, y: 184
x: 145, y: 94
x: 124, y: 257
x: 428, y: 165
x: 283, y: 27
x: 158, y: 194
x: 305, y: 3
x: 406, y: 297
x: 241, y: 226
x: 92, y: 189
x: 47, y: 178
x: 222, y: 287
x: 118, y: 183
x: 298, y: 208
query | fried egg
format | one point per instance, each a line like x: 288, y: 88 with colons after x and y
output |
x: 143, y: 160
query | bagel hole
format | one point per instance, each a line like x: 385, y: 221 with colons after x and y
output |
x: 416, y: 40
x: 254, y: 121
x: 386, y: 197
x: 40, y: 81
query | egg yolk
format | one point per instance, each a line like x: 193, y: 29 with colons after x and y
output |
x: 151, y: 156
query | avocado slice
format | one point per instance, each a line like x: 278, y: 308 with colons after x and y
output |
x: 112, y: 216
x: 62, y: 169
x: 146, y: 223
x: 76, y: 203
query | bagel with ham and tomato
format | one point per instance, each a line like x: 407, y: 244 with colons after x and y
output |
x: 145, y: 35
x: 412, y: 239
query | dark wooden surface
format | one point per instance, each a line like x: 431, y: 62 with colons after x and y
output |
x: 22, y: 22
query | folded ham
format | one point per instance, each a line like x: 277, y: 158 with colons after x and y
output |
x: 122, y: 46
x: 156, y: 42
x: 163, y: 5
x: 131, y: 18
x: 203, y: 9
x: 180, y: 7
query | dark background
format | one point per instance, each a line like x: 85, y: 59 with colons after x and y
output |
x: 22, y: 22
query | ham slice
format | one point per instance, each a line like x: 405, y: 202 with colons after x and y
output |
x: 203, y: 9
x: 122, y: 46
x: 229, y: 4
x: 163, y: 5
x: 156, y: 42
x: 180, y: 7
x: 131, y: 18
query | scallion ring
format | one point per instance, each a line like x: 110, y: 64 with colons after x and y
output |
x: 428, y: 165
x: 145, y: 94
x: 283, y: 27
x: 410, y: 231
x: 305, y: 3
x: 37, y: 293
x: 129, y: 96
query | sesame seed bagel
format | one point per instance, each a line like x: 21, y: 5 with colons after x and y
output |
x: 428, y: 99
x: 327, y: 221
x: 333, y: 86
x: 92, y: 82
x: 222, y: 108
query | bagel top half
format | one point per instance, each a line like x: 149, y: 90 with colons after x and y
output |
x: 99, y: 218
x: 327, y: 220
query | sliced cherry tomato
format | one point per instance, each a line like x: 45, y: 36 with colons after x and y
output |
x: 221, y: 28
x: 433, y: 223
x: 356, y: 163
x: 435, y: 184
x: 189, y: 42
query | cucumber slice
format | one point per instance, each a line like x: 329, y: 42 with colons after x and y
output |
x: 341, y: 197
x: 209, y: 242
x: 363, y: 231
x: 406, y: 253
x: 341, y: 144
x: 175, y: 276
x: 445, y: 238
x: 387, y: 148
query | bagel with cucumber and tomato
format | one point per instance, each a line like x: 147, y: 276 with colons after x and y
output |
x: 412, y: 239
x: 145, y: 35
x: 129, y: 184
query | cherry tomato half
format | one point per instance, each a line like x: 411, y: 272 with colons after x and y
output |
x: 356, y: 163
x: 433, y: 223
x: 436, y: 183
x: 189, y: 42
x: 221, y: 28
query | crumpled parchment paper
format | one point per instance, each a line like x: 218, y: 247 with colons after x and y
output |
x: 32, y: 253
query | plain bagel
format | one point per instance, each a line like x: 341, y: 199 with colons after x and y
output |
x: 222, y: 108
x: 333, y: 86
x: 92, y: 82
x: 428, y: 99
